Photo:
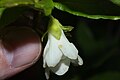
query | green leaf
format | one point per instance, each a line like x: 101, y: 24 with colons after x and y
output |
x: 46, y: 5
x: 67, y: 28
x: 1, y: 11
x: 106, y: 76
x: 11, y: 3
x: 94, y: 9
x: 116, y: 2
x: 9, y: 15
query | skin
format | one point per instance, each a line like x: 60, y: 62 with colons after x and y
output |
x: 20, y: 47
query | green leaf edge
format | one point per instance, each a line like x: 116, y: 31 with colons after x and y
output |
x: 66, y: 9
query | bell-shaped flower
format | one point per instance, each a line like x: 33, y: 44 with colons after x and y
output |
x: 59, y: 52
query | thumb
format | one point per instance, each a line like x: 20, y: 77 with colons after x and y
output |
x: 19, y: 49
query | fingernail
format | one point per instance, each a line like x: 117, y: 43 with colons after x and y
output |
x: 25, y: 46
x: 25, y: 55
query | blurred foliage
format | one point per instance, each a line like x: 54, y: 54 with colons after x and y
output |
x: 1, y: 10
x: 96, y: 34
x: 11, y: 3
x: 116, y: 2
x: 106, y: 76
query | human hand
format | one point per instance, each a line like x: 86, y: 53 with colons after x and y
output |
x: 20, y: 48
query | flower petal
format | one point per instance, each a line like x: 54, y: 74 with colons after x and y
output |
x: 47, y: 73
x: 80, y: 61
x: 53, y: 54
x: 67, y: 48
x: 77, y: 61
x: 45, y: 52
x: 62, y: 67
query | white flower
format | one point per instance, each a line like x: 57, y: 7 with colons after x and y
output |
x: 58, y: 54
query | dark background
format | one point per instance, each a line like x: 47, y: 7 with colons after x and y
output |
x: 98, y: 42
